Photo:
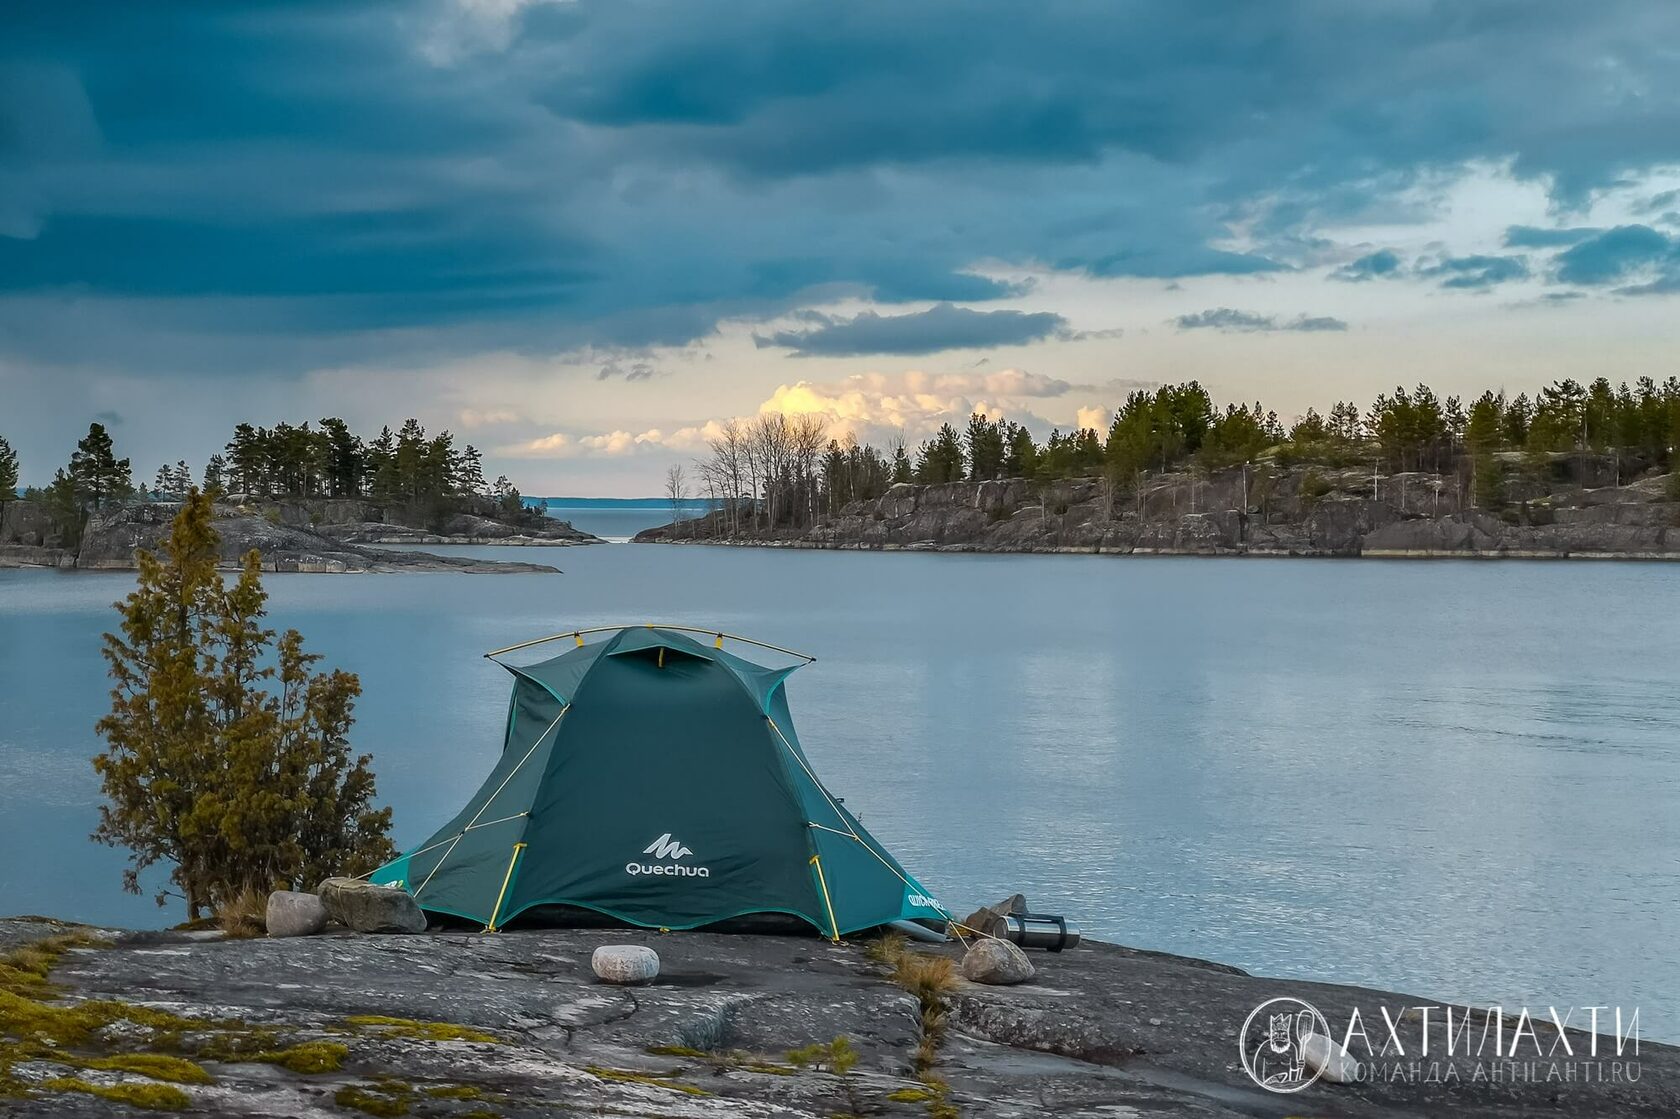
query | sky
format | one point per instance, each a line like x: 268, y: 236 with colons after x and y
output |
x: 580, y: 235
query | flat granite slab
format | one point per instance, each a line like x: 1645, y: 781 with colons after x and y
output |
x: 1102, y: 1031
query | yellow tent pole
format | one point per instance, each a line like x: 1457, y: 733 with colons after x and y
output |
x: 506, y: 879
x: 833, y: 925
x: 577, y: 635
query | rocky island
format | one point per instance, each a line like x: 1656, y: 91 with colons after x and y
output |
x: 318, y: 536
x: 461, y: 1024
x: 1243, y: 511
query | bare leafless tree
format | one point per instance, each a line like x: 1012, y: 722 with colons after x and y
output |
x: 676, y: 490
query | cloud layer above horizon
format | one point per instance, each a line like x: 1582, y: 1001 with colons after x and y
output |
x: 533, y: 220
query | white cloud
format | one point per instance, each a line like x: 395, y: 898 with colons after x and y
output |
x: 489, y: 417
x: 1097, y: 419
x: 464, y: 27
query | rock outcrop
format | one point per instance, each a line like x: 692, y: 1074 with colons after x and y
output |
x: 1296, y: 511
x: 460, y: 529
x: 451, y: 1024
x: 112, y: 536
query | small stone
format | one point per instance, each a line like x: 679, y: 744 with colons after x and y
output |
x: 1330, y: 1061
x: 367, y: 908
x: 625, y: 963
x: 292, y: 913
x: 981, y: 919
x: 997, y: 962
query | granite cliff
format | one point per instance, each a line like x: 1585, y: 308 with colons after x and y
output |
x: 1298, y: 511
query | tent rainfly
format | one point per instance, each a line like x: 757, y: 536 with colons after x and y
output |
x: 656, y: 780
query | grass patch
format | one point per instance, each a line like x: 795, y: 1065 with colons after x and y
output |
x: 309, y: 1057
x: 652, y: 1079
x: 386, y: 1097
x: 23, y: 971
x: 678, y: 1051
x: 423, y: 1031
x: 931, y: 979
x: 455, y: 1092
x: 149, y: 1097
x: 158, y: 1066
x: 837, y: 1056
x: 244, y: 916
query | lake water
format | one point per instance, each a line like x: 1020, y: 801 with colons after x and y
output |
x: 616, y: 518
x: 1460, y: 779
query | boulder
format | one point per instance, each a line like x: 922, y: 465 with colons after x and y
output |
x: 1330, y: 1061
x: 367, y: 908
x: 997, y: 962
x: 981, y: 919
x: 625, y: 963
x: 292, y: 913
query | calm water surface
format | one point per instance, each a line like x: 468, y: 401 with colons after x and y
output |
x: 1459, y: 779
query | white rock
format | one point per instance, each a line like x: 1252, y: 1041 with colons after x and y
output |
x: 291, y: 913
x: 625, y: 963
x: 998, y: 962
x: 1330, y: 1061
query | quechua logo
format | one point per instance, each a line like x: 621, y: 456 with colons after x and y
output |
x: 666, y: 848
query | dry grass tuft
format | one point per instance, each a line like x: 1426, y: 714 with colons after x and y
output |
x: 245, y: 915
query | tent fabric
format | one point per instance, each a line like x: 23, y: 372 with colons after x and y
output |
x: 658, y: 781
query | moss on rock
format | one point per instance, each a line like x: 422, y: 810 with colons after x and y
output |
x: 150, y: 1097
x: 423, y: 1031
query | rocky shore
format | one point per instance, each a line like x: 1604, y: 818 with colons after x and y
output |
x: 316, y: 537
x: 515, y: 1024
x: 1296, y: 511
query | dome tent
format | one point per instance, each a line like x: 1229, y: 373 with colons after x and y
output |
x: 658, y: 781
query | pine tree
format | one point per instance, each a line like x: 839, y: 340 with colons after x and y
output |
x: 98, y: 474
x: 345, y: 458
x: 470, y: 476
x: 215, y: 474
x: 1482, y: 437
x: 8, y: 470
x: 228, y: 756
x: 246, y: 460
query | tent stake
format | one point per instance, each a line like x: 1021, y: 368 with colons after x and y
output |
x: 497, y: 912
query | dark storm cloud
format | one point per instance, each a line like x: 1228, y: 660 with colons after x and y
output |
x: 1232, y: 321
x: 942, y: 327
x: 1644, y: 260
x: 1382, y: 264
x: 1475, y: 272
x: 1534, y: 237
x: 324, y: 182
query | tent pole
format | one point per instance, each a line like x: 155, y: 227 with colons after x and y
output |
x: 506, y: 880
x: 718, y: 644
x: 834, y: 927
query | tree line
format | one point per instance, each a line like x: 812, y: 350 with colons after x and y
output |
x: 778, y: 471
x: 427, y: 475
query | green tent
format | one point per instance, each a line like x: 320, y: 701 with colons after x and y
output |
x: 657, y: 780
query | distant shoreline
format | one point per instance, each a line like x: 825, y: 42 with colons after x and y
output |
x: 1305, y: 513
